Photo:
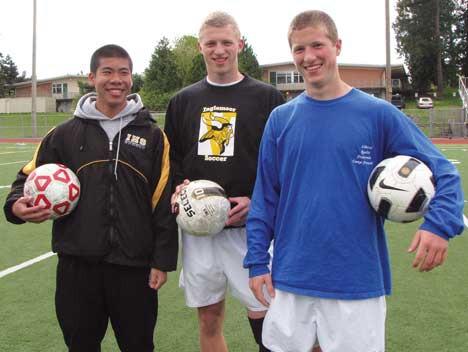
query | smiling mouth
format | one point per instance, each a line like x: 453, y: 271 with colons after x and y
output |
x: 220, y: 60
x: 313, y: 68
x: 115, y: 91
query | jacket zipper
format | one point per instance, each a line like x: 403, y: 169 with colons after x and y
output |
x: 111, y: 198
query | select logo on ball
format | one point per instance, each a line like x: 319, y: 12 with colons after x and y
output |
x: 203, y: 208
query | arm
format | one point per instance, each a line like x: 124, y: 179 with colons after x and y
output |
x: 262, y: 215
x: 18, y: 209
x: 444, y: 218
x: 239, y: 212
x: 164, y: 226
x: 172, y: 131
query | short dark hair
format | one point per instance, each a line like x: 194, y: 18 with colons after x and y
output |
x: 313, y: 18
x: 110, y: 50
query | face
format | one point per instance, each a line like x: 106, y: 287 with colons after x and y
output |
x: 220, y: 47
x: 113, y: 82
x: 314, y: 55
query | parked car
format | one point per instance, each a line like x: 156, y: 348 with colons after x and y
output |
x: 425, y: 103
x: 398, y: 101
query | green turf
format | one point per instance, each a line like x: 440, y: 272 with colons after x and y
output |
x: 20, y: 125
x: 427, y: 311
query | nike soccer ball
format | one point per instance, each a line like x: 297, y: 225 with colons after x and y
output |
x: 400, y: 188
x: 203, y: 208
x: 55, y: 187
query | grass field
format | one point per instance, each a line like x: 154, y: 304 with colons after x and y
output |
x: 427, y: 311
x: 20, y: 125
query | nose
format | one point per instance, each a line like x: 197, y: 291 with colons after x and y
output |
x: 219, y: 49
x: 309, y: 54
x: 115, y: 77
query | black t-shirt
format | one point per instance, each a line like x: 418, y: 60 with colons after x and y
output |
x: 215, y: 132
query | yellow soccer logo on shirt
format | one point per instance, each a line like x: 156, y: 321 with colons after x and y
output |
x: 216, y: 135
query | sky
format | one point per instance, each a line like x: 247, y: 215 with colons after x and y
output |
x: 68, y: 31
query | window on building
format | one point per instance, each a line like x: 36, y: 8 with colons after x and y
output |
x: 298, y: 78
x: 396, y: 83
x: 273, y: 78
x: 285, y: 77
x: 57, y: 88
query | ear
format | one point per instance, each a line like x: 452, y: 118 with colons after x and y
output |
x: 199, y: 47
x: 241, y: 44
x: 91, y: 78
x: 338, y: 47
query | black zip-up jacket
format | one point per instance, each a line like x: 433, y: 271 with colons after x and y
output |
x: 124, y: 219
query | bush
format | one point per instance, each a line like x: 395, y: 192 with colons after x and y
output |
x: 156, y: 101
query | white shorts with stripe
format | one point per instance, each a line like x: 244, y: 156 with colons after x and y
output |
x: 296, y: 323
x: 213, y: 264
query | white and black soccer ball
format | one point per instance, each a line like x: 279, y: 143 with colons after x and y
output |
x: 55, y: 187
x: 203, y: 208
x: 400, y: 188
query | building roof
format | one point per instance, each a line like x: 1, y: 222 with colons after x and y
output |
x: 45, y: 80
x: 398, y: 67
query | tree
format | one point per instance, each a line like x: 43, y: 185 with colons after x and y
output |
x: 161, y: 77
x: 185, y: 50
x: 439, y: 76
x: 8, y: 73
x: 197, y: 70
x: 420, y: 39
x: 137, y: 82
x: 462, y: 32
x: 248, y: 61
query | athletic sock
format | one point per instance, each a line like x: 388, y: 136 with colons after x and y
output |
x: 257, y: 325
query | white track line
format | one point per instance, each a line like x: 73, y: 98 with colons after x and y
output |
x: 25, y: 264
x: 15, y: 162
x: 16, y: 152
x: 465, y: 220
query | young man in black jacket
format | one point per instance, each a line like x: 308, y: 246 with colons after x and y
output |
x: 116, y: 247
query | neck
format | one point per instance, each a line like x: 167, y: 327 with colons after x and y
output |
x: 110, y: 111
x: 328, y: 91
x: 225, y: 78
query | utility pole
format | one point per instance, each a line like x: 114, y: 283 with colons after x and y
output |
x: 33, y: 77
x: 440, y: 80
x: 388, y: 67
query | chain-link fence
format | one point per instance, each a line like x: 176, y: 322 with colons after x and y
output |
x: 441, y: 122
x: 20, y: 125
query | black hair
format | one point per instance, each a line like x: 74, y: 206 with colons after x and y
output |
x: 110, y: 50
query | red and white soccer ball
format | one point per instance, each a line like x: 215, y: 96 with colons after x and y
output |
x: 54, y: 186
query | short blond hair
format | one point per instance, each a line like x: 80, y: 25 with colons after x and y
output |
x: 219, y: 19
x: 313, y: 18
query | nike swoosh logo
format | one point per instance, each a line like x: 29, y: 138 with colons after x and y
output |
x: 384, y: 186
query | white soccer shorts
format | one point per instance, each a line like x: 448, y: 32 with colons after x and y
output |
x: 295, y: 323
x: 212, y: 264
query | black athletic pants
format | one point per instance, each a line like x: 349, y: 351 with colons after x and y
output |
x: 88, y: 294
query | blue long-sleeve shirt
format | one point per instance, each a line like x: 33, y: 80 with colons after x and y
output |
x: 310, y: 195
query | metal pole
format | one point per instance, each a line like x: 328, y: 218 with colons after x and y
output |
x: 388, y: 67
x: 33, y: 77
